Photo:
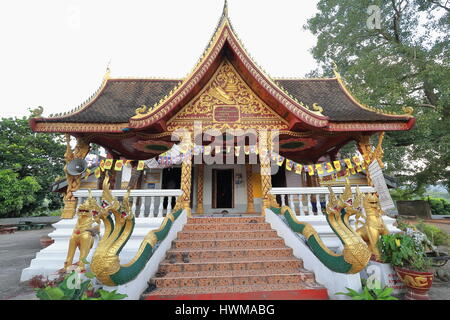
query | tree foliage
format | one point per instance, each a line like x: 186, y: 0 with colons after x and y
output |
x: 27, y: 158
x: 404, y: 63
x: 15, y: 194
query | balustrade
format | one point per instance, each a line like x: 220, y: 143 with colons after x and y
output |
x: 144, y: 202
x: 310, y: 201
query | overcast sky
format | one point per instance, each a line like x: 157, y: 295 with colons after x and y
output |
x: 54, y: 53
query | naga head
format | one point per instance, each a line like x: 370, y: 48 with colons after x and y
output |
x: 347, y: 196
x: 109, y: 202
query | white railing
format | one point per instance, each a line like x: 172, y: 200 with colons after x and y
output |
x: 145, y: 202
x: 309, y: 201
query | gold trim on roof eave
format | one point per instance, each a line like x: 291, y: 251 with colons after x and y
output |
x: 361, y: 105
x: 66, y: 127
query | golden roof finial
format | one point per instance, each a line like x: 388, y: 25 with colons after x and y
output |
x: 108, y: 70
x: 225, y: 8
x: 335, y: 70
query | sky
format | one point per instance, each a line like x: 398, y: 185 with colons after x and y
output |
x: 54, y: 53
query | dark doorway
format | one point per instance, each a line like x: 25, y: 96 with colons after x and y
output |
x: 279, y: 181
x: 171, y: 179
x: 223, y: 193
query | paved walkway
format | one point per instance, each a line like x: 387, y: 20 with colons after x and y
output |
x: 16, y: 251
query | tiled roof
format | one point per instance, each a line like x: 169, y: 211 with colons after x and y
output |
x: 336, y: 104
x: 118, y: 100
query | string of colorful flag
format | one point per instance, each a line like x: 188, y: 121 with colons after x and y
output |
x: 332, y: 169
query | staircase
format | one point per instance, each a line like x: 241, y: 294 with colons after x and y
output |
x: 230, y: 258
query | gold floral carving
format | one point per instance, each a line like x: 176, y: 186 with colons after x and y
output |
x: 226, y: 88
x: 249, y: 174
x: 201, y: 169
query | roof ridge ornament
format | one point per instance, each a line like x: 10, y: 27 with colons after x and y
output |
x: 335, y: 70
x: 108, y: 71
x: 225, y: 8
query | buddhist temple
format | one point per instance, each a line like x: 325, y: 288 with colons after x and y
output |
x: 226, y: 142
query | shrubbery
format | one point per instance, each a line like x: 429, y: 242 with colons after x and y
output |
x: 439, y: 206
x: 434, y: 234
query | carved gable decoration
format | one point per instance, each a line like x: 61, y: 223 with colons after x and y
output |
x: 226, y: 102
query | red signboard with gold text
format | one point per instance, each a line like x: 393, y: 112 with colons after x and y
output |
x: 226, y: 113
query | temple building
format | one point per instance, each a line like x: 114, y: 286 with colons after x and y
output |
x: 211, y: 137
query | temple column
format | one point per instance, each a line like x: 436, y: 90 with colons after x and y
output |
x: 73, y: 182
x: 186, y: 175
x: 249, y: 174
x: 266, y: 177
x: 201, y: 169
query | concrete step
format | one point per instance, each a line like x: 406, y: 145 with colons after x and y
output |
x: 211, y: 235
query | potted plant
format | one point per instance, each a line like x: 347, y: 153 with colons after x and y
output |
x: 406, y: 253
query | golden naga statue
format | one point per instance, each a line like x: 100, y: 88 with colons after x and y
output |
x: 119, y: 221
x: 373, y: 226
x: 84, y: 232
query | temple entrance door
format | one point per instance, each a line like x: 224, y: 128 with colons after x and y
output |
x: 279, y: 181
x: 171, y: 179
x: 223, y: 188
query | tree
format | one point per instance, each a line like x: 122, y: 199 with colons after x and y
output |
x: 404, y: 62
x: 15, y: 194
x: 31, y: 155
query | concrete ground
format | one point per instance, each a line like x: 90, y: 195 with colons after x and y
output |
x: 16, y: 252
x: 18, y: 249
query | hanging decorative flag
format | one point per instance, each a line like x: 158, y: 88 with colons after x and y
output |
x: 237, y: 150
x: 337, y: 165
x: 356, y: 160
x: 358, y: 168
x: 274, y: 156
x: 247, y: 150
x: 98, y: 172
x: 311, y: 170
x: 329, y: 167
x: 196, y: 150
x: 319, y: 168
x: 218, y: 149
x: 88, y: 173
x: 128, y: 163
x: 207, y: 150
x: 119, y: 165
x: 289, y: 165
x: 280, y: 160
x: 228, y: 149
x: 102, y: 165
x: 298, y: 168
x: 367, y: 159
x: 348, y: 163
x: 108, y: 164
x: 363, y: 165
x: 353, y: 171
x: 140, y: 165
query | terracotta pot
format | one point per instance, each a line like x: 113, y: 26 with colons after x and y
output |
x: 417, y: 283
x: 46, y: 241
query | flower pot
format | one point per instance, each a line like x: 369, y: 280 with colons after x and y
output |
x: 417, y: 283
x: 46, y: 241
